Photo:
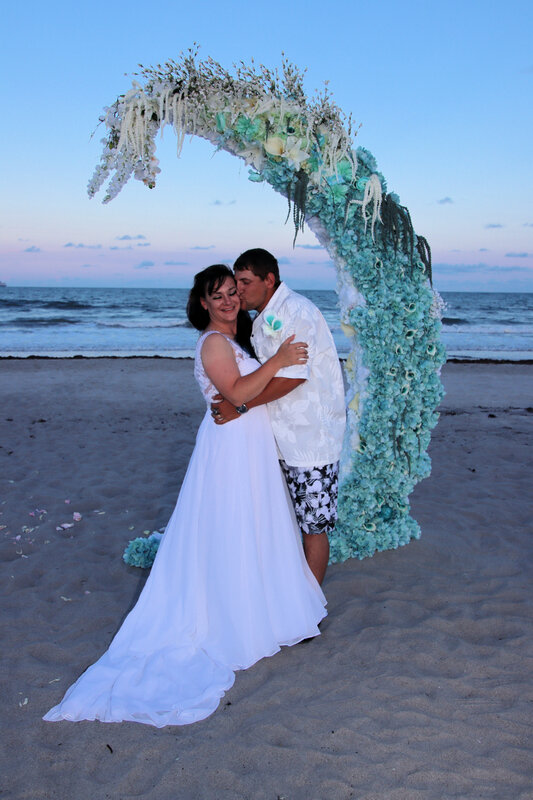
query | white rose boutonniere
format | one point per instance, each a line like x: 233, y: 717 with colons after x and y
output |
x: 272, y: 325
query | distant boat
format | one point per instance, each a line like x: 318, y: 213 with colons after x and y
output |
x: 2, y: 284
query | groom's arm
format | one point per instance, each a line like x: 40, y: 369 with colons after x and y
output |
x: 278, y: 387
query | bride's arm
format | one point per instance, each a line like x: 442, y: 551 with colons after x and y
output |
x: 219, y: 362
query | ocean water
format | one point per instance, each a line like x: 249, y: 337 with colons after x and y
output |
x: 147, y: 322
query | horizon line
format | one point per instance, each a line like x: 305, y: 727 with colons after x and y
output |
x: 300, y: 288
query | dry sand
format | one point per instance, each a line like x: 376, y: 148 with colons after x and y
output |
x: 419, y: 687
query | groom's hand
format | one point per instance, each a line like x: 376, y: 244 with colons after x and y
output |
x: 223, y: 411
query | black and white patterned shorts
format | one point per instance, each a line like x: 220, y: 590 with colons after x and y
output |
x: 313, y: 492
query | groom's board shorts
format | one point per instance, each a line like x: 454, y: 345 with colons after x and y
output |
x: 313, y: 492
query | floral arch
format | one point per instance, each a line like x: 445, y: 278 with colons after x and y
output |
x: 303, y: 149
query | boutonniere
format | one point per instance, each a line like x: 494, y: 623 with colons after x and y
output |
x: 272, y: 325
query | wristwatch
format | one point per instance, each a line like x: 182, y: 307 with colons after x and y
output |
x: 241, y: 409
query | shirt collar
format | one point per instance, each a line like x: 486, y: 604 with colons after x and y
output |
x: 276, y: 300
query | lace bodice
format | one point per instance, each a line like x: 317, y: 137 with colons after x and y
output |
x: 245, y: 363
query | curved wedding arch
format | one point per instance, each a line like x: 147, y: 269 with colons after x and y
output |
x: 303, y: 149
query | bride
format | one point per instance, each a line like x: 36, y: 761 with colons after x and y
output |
x: 230, y: 583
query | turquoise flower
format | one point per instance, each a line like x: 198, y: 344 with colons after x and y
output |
x: 141, y: 552
x: 272, y: 325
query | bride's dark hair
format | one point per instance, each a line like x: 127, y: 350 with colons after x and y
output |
x: 207, y: 282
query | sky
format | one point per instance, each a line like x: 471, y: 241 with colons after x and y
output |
x: 443, y: 92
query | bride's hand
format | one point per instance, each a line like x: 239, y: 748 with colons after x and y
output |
x: 291, y: 352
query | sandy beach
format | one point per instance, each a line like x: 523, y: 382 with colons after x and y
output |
x: 420, y: 686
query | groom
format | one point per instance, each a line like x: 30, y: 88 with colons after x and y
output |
x: 305, y: 402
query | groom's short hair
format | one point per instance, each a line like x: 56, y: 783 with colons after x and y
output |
x: 260, y: 262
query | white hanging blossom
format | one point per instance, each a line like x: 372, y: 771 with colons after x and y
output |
x: 312, y: 137
x: 438, y: 305
x: 372, y: 194
x: 203, y: 99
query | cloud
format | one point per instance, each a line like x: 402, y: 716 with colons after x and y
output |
x: 483, y: 250
x: 222, y: 203
x: 444, y: 201
x: 32, y: 249
x: 29, y: 240
x: 504, y: 270
x: 456, y: 269
x: 116, y: 247
x: 525, y: 225
x: 176, y: 263
x: 202, y: 247
x: 127, y: 237
x: 145, y: 265
x: 459, y: 268
x: 143, y: 244
x: 310, y: 246
x: 494, y: 225
x: 81, y: 245
x: 86, y: 266
x: 482, y: 278
x: 327, y: 263
x: 517, y: 255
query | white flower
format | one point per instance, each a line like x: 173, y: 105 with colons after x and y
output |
x: 289, y: 149
x: 275, y: 146
x: 294, y: 153
x: 253, y: 157
x: 348, y: 330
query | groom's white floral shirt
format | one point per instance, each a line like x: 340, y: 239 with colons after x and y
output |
x: 309, y: 422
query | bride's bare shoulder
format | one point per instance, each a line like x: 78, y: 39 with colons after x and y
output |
x: 216, y: 345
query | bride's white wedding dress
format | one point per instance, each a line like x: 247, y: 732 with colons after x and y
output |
x: 229, y: 584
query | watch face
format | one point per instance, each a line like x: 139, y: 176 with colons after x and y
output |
x: 242, y: 409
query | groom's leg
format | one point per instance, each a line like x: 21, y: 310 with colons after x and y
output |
x: 316, y: 549
x: 314, y: 492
